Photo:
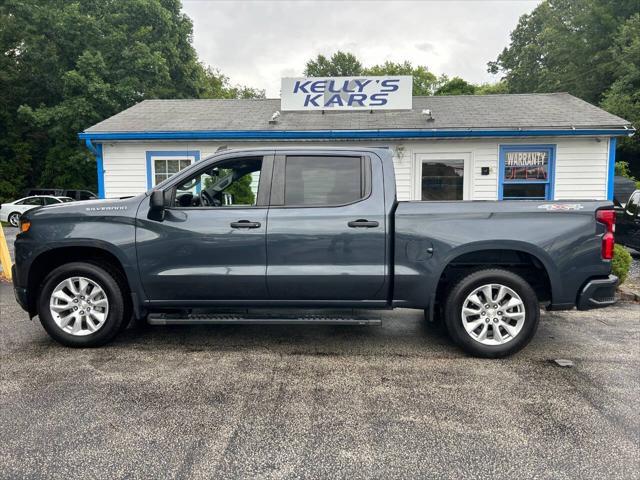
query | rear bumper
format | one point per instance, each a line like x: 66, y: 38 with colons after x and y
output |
x: 598, y: 293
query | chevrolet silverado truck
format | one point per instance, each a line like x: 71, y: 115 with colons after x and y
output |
x: 309, y: 236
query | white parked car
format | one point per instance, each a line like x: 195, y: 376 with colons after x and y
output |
x: 11, y: 212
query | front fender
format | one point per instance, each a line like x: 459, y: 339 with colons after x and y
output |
x: 116, y: 237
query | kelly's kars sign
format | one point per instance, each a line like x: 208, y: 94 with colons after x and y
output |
x: 347, y: 93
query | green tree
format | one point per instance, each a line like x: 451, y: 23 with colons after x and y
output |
x: 341, y: 64
x: 623, y: 97
x: 589, y: 48
x: 218, y: 85
x: 564, y: 45
x: 424, y: 82
x: 455, y: 86
x: 241, y: 191
x: 493, y: 88
x: 68, y: 65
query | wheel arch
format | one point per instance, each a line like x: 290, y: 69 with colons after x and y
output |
x: 96, y: 253
x: 512, y: 255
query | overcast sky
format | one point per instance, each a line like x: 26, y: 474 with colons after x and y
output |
x: 256, y: 42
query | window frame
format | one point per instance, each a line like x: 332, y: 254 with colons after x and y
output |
x: 151, y: 155
x: 549, y: 182
x: 263, y: 183
x: 277, y: 199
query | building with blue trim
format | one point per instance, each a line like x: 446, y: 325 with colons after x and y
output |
x: 532, y: 146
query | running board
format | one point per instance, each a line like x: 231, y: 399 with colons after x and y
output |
x: 258, y: 319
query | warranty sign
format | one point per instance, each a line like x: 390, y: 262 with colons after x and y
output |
x: 347, y: 93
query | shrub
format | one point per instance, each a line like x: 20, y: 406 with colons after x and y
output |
x: 621, y: 263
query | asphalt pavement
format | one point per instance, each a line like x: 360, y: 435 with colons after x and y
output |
x: 396, y: 401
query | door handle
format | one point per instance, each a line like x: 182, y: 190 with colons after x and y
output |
x: 245, y: 224
x: 362, y: 223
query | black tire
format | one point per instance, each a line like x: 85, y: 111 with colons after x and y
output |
x: 108, y: 280
x: 16, y: 221
x: 476, y: 279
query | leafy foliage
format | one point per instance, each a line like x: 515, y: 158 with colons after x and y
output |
x: 622, y: 169
x: 425, y: 82
x: 623, y: 97
x: 241, y: 191
x: 341, y: 64
x: 456, y: 86
x: 621, y: 263
x: 68, y: 65
x: 589, y: 48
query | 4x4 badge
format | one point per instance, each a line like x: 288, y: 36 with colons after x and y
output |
x: 555, y: 207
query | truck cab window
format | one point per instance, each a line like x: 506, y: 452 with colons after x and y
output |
x: 316, y: 181
x: 233, y: 183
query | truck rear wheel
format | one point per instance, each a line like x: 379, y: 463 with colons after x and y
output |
x: 81, y: 305
x: 492, y: 313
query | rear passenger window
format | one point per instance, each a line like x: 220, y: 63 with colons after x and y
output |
x: 323, y: 180
x: 31, y: 201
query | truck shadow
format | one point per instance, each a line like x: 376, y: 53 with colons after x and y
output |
x: 406, y: 334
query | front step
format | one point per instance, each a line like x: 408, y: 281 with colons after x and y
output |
x: 264, y: 318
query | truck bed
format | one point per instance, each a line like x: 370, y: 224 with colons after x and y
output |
x: 563, y: 236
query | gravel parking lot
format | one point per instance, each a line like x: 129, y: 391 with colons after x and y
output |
x: 397, y: 401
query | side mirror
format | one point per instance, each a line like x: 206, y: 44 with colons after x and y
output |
x: 156, y: 202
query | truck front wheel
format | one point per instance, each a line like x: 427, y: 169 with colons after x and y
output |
x: 492, y: 313
x: 81, y: 305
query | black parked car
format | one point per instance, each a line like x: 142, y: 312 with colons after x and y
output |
x: 628, y: 222
x: 60, y: 192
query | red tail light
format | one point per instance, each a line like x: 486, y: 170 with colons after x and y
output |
x: 608, y: 219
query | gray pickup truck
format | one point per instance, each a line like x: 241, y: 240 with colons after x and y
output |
x: 265, y: 235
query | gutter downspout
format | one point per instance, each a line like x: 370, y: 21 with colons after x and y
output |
x: 97, y: 151
x: 612, y: 168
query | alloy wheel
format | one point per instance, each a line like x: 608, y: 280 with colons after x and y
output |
x: 14, y: 219
x: 79, y: 306
x: 493, y: 314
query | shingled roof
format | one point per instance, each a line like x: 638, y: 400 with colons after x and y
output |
x: 469, y: 112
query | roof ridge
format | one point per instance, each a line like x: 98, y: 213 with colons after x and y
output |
x: 205, y: 99
x: 530, y: 94
x: 489, y: 95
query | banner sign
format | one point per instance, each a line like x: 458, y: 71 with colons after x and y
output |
x: 347, y: 93
x: 527, y: 165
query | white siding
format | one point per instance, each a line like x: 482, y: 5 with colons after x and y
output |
x: 580, y: 168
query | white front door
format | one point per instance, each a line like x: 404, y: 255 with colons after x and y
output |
x: 442, y: 176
